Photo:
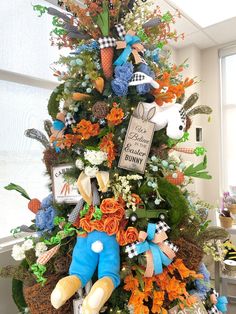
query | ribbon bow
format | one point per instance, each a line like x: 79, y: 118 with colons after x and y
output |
x: 219, y: 304
x: 158, y: 251
x: 130, y: 44
x: 85, y: 186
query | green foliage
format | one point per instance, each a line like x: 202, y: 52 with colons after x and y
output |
x: 53, y: 103
x: 179, y: 206
x: 17, y: 188
x: 103, y: 21
x: 197, y: 171
x: 17, y: 294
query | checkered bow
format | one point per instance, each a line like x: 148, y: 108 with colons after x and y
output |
x: 158, y: 249
x: 106, y: 42
x: 69, y: 120
x: 142, y: 78
x: 213, y: 310
x: 130, y: 43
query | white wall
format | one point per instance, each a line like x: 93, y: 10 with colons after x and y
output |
x: 204, y: 64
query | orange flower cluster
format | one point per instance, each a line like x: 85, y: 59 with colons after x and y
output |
x: 170, y: 288
x: 83, y: 131
x: 111, y: 221
x: 107, y: 145
x: 115, y: 116
x: 173, y: 90
x: 86, y: 129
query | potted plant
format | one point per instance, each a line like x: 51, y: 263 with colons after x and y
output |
x: 226, y: 219
x: 230, y: 203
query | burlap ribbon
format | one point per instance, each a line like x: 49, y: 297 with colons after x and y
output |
x: 130, y: 44
x: 158, y: 251
x: 85, y: 187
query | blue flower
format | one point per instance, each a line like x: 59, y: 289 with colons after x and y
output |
x: 44, y: 218
x: 119, y: 87
x: 143, y: 88
x: 203, y: 285
x: 47, y: 201
x: 145, y: 69
x: 124, y: 71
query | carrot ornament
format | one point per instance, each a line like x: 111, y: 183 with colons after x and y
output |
x: 106, y: 43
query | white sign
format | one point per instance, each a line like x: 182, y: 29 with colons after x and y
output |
x: 63, y: 191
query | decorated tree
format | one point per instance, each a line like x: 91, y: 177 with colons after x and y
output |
x: 120, y: 219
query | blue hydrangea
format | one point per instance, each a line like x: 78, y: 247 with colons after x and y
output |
x: 45, y: 217
x: 47, y: 201
x: 124, y: 71
x: 143, y: 88
x: 93, y: 45
x: 119, y: 87
x: 203, y: 285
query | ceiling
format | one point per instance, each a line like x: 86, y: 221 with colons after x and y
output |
x: 217, y: 34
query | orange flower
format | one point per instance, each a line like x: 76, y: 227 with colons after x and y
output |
x: 174, y: 289
x: 131, y: 235
x: 108, y: 147
x: 130, y: 283
x: 184, y: 271
x: 98, y: 225
x: 111, y: 225
x: 158, y: 299
x: 87, y: 129
x: 120, y: 237
x: 115, y: 116
x: 140, y: 308
x: 86, y: 225
x: 109, y: 206
x: 119, y: 214
x: 136, y: 198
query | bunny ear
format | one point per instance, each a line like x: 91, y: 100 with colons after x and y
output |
x: 191, y: 101
x: 151, y: 113
x: 38, y: 136
x: 59, y: 14
x: 141, y: 110
x: 199, y: 110
x: 47, y: 127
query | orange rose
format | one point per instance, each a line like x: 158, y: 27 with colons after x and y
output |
x: 86, y: 225
x: 120, y: 237
x: 111, y: 225
x: 137, y: 199
x: 131, y: 235
x: 109, y: 206
x: 119, y: 213
x: 98, y: 225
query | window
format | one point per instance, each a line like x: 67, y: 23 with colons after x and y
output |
x: 26, y: 83
x: 228, y: 70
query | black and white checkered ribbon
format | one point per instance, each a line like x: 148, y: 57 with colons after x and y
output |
x: 69, y: 120
x: 213, y: 310
x: 120, y: 31
x: 106, y: 42
x: 161, y: 226
x: 139, y: 78
x: 171, y: 245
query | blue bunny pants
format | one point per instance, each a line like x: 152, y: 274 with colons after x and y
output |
x: 85, y: 260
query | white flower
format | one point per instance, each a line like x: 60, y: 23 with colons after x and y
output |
x: 91, y: 171
x: 18, y: 253
x: 79, y: 164
x: 40, y: 248
x: 27, y: 245
x: 95, y: 157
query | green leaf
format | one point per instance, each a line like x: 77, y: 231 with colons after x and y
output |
x: 103, y: 20
x: 197, y: 171
x: 17, y: 188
